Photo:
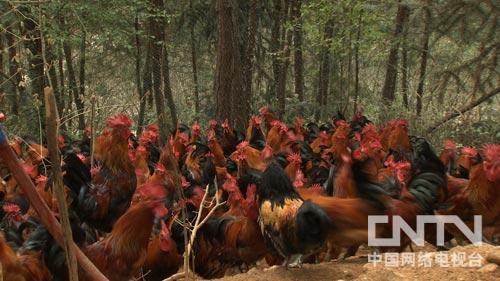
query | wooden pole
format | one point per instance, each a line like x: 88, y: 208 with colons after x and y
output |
x: 51, y: 121
x: 47, y: 217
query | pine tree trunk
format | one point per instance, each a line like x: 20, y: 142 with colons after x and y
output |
x: 73, y: 89
x: 324, y: 69
x: 81, y: 79
x: 167, y: 89
x: 388, y: 92
x: 230, y: 103
x: 34, y: 44
x: 404, y: 62
x: 62, y: 88
x: 14, y: 74
x: 356, y: 64
x: 156, y: 26
x: 423, y: 57
x: 284, y: 60
x: 276, y: 15
x: 194, y: 65
x: 298, y: 64
x: 138, y: 85
x: 249, y: 57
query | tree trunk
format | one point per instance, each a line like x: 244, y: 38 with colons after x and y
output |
x: 34, y: 44
x: 284, y: 60
x: 424, y: 55
x: 404, y: 66
x: 275, y: 43
x: 147, y: 82
x: 228, y: 82
x: 194, y: 65
x: 82, y: 69
x: 73, y: 87
x: 14, y: 73
x: 298, y: 64
x: 62, y: 88
x: 138, y: 85
x: 388, y: 92
x: 356, y: 64
x: 167, y: 90
x: 324, y: 69
x: 249, y: 57
x: 157, y: 27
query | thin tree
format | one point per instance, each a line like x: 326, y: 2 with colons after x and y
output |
x: 404, y: 63
x: 228, y: 81
x: 298, y: 65
x: 249, y: 57
x: 157, y: 27
x: 138, y: 85
x: 424, y: 55
x: 356, y: 61
x: 388, y: 92
x: 324, y: 67
x: 73, y: 89
x: 194, y: 63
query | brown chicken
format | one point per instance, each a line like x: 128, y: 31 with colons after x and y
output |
x: 120, y: 255
x: 27, y: 266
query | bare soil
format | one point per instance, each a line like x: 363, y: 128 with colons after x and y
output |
x: 358, y: 268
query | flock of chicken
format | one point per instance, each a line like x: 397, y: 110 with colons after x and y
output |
x: 290, y: 195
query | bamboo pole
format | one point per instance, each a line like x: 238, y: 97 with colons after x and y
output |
x: 47, y: 217
x: 51, y: 121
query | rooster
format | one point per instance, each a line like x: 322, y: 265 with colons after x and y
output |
x: 292, y: 227
x: 103, y: 193
x: 25, y: 267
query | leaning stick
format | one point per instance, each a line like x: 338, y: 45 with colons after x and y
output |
x: 52, y: 118
x: 47, y: 217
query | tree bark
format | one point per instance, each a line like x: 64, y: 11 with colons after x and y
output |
x: 167, y: 89
x: 34, y: 44
x: 298, y: 64
x: 388, y: 92
x: 423, y: 57
x: 82, y: 69
x: 138, y: 85
x: 73, y: 86
x: 194, y: 64
x: 228, y: 82
x: 324, y: 68
x: 14, y: 73
x: 249, y: 57
x: 356, y: 64
x: 62, y: 88
x: 404, y: 64
x: 275, y: 43
x: 157, y: 27
x: 284, y: 60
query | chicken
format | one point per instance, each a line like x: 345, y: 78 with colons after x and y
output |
x: 25, y: 267
x: 254, y: 133
x: 292, y: 227
x: 469, y: 156
x: 103, y: 193
x: 481, y: 195
x: 120, y: 255
x: 447, y: 155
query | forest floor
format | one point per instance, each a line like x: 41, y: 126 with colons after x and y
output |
x: 478, y: 267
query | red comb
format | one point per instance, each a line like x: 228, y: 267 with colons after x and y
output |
x: 449, y: 144
x: 212, y: 123
x: 255, y: 121
x: 469, y: 151
x: 264, y: 110
x: 41, y: 179
x: 2, y: 117
x: 11, y: 208
x: 120, y: 120
x: 491, y: 152
x: 294, y: 158
x: 196, y: 127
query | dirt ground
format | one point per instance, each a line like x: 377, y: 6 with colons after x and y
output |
x: 358, y: 268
